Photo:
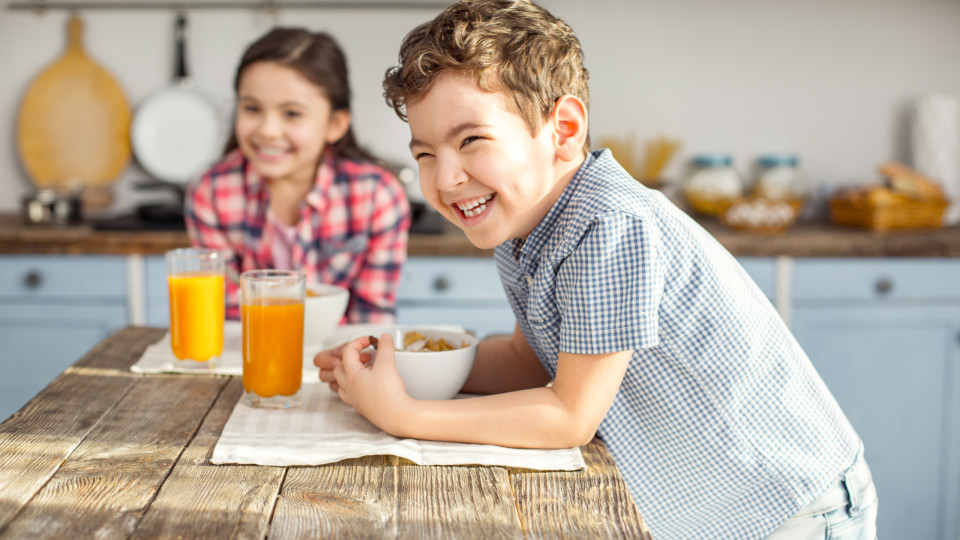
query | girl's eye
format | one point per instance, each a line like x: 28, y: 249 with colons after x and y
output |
x: 292, y: 114
x: 419, y: 155
x: 250, y: 108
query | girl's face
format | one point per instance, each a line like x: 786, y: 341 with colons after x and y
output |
x: 284, y: 122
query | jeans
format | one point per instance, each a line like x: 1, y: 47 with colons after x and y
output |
x: 846, y: 511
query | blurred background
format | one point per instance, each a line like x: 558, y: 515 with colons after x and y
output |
x: 830, y: 82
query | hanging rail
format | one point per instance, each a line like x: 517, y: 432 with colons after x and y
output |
x: 40, y: 6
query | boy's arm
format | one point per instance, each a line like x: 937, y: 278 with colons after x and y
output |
x: 563, y: 415
x: 505, y: 364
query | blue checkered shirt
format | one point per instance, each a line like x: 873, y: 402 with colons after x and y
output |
x: 721, y: 428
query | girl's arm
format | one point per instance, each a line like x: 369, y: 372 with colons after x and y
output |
x: 563, y: 415
x: 202, y: 219
x: 374, y: 290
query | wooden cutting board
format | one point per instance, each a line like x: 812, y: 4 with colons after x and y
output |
x: 74, y: 121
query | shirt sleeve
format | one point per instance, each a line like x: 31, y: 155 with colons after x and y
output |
x: 610, y: 287
x: 206, y: 228
x: 374, y: 291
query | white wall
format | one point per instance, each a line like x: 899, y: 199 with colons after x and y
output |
x: 829, y: 80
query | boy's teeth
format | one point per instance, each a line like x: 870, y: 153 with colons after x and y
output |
x: 474, y: 207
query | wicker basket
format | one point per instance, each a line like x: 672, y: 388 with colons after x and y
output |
x: 902, y: 214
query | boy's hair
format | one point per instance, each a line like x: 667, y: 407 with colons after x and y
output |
x: 510, y: 46
x: 318, y: 58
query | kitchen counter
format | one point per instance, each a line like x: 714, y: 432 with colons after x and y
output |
x: 804, y: 240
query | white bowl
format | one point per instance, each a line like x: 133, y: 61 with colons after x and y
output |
x: 323, y: 312
x: 435, y: 374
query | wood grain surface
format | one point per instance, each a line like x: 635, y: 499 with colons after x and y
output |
x: 105, y: 453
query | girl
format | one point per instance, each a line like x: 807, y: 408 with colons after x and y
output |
x: 294, y: 189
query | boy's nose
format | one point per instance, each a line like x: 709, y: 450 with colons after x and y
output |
x: 450, y: 174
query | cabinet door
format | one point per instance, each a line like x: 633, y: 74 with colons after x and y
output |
x: 157, y: 303
x: 39, y: 342
x: 454, y: 290
x: 895, y: 371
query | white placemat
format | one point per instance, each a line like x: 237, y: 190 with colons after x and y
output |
x: 325, y: 430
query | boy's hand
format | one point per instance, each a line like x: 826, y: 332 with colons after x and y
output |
x: 329, y: 359
x: 375, y: 391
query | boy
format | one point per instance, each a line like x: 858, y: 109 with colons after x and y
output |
x: 655, y: 338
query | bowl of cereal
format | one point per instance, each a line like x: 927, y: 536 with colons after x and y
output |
x: 433, y: 364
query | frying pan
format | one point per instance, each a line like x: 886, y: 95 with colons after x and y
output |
x: 176, y: 131
x: 74, y: 121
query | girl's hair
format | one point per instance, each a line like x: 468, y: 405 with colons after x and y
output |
x: 509, y: 46
x: 317, y: 58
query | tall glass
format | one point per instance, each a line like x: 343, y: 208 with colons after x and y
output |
x: 196, y: 288
x: 271, y: 313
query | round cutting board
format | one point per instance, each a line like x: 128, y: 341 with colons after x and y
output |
x: 74, y: 121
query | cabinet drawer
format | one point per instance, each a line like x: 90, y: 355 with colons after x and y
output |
x: 449, y: 278
x: 876, y: 279
x: 63, y: 277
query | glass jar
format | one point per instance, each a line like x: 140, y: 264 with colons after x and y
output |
x: 780, y: 178
x: 711, y: 183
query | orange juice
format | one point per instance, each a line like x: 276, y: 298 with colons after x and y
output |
x: 272, y: 346
x: 196, y: 316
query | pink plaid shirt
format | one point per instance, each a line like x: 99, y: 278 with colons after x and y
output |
x: 352, y: 230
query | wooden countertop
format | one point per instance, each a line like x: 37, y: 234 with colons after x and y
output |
x: 104, y: 452
x: 804, y: 240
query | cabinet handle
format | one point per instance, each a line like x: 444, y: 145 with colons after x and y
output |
x: 441, y: 283
x: 883, y: 286
x: 33, y: 279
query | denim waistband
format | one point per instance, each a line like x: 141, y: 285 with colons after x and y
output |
x: 848, y: 491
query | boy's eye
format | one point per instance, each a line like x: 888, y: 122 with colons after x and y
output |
x: 250, y: 108
x: 292, y: 114
x: 469, y: 140
x: 418, y: 155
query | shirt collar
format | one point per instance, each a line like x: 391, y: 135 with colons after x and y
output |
x: 528, y: 252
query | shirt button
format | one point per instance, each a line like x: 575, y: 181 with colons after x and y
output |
x: 529, y: 280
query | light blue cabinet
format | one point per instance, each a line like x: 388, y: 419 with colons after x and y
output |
x: 885, y: 336
x: 53, y: 309
x: 454, y: 290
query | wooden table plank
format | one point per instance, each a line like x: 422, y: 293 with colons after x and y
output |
x: 355, y: 498
x: 120, y: 350
x: 110, y: 479
x: 456, y: 502
x: 593, y: 503
x: 201, y: 500
x: 36, y: 440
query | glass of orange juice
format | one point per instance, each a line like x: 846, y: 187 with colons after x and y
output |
x: 271, y: 314
x: 195, y: 281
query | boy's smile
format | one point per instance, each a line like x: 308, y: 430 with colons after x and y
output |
x: 479, y: 165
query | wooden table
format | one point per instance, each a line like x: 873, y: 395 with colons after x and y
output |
x: 106, y: 453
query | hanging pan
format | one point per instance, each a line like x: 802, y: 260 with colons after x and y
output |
x: 176, y: 131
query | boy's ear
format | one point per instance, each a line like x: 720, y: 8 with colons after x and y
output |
x: 569, y: 122
x: 339, y: 124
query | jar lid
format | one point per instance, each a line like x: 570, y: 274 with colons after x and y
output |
x: 778, y: 160
x: 712, y: 160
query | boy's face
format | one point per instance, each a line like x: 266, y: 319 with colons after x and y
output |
x: 479, y: 165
